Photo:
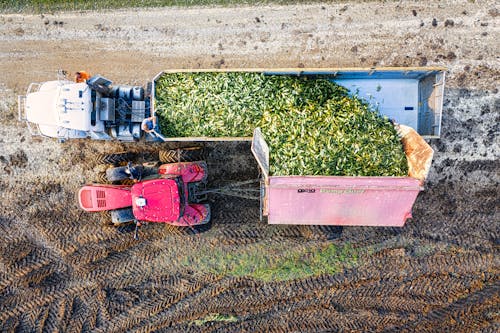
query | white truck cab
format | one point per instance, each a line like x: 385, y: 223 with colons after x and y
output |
x: 65, y: 109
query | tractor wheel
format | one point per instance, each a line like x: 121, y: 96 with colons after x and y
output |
x: 114, y: 158
x: 203, y: 227
x: 119, y: 174
x: 182, y: 155
x: 105, y: 218
x: 129, y: 182
x: 186, y: 231
x: 116, y: 174
x: 101, y: 178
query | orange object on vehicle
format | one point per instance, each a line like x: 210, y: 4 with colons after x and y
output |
x: 81, y: 76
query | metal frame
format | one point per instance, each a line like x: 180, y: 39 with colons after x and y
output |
x: 299, y: 71
x: 260, y: 151
x: 439, y: 100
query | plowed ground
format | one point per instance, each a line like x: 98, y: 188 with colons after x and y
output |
x: 62, y: 270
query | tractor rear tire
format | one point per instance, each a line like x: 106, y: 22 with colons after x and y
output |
x: 114, y: 158
x: 128, y: 182
x: 202, y: 227
x: 190, y: 154
x: 187, y: 231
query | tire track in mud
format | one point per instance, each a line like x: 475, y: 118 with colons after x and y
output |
x: 36, y: 268
x: 469, y: 221
x: 146, y: 312
x: 354, y: 291
x: 465, y: 313
x: 65, y: 272
x: 237, y: 221
x: 363, y: 291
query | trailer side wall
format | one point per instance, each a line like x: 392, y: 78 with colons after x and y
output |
x: 353, y: 201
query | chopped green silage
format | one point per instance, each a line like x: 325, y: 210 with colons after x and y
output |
x: 312, y: 126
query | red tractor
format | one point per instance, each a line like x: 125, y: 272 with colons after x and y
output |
x: 166, y: 195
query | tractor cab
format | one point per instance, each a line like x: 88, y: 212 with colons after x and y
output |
x: 158, y: 200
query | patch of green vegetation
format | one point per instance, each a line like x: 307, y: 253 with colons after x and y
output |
x: 328, y: 260
x: 44, y: 6
x: 276, y: 263
x: 215, y: 317
x: 313, y: 126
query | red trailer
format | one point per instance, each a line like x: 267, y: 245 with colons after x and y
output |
x: 333, y: 200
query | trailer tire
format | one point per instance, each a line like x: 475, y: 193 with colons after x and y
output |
x: 190, y: 154
x: 330, y: 232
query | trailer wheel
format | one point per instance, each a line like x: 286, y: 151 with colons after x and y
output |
x: 190, y: 154
x: 114, y: 158
x: 330, y: 232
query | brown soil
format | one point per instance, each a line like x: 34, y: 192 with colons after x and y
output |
x: 60, y: 270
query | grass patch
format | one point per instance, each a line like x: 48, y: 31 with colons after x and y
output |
x: 276, y: 262
x: 43, y: 6
x: 328, y: 260
x: 215, y: 317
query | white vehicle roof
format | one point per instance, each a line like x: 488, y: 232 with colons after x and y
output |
x: 60, y: 104
x: 40, y: 107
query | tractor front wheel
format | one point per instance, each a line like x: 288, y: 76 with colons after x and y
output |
x: 116, y: 174
x: 105, y: 218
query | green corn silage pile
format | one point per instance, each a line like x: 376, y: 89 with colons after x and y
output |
x: 312, y: 126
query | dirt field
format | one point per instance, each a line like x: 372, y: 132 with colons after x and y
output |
x: 61, y: 270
